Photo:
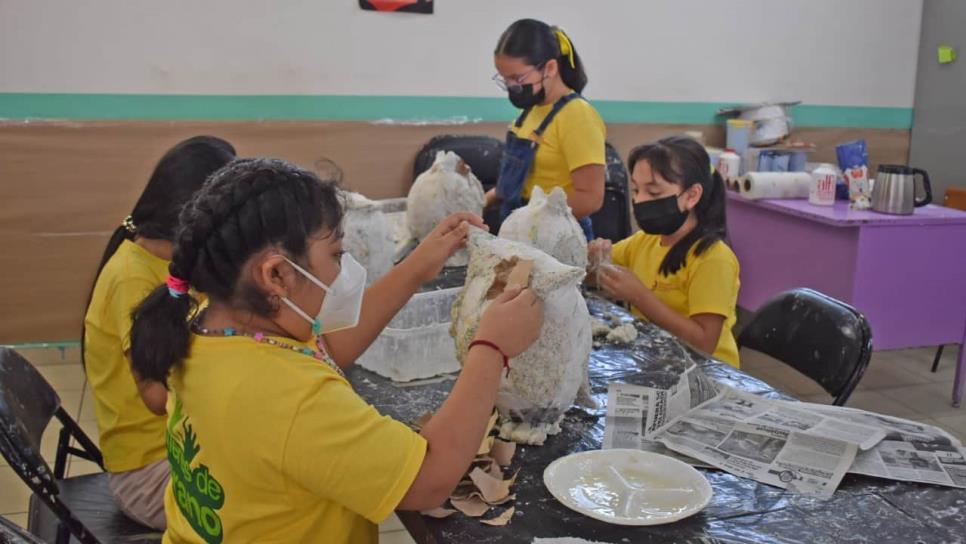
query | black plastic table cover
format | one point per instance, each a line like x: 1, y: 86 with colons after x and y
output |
x: 862, y: 510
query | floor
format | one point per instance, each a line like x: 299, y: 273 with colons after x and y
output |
x: 898, y: 383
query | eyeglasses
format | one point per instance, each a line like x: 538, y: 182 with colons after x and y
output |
x: 514, y: 84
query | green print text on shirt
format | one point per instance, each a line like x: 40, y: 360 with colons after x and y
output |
x: 198, y: 494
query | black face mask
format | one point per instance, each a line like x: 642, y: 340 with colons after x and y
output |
x: 660, y: 216
x: 524, y: 98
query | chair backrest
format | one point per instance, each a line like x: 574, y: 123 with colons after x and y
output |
x: 484, y: 153
x: 613, y: 219
x: 10, y: 533
x: 481, y: 153
x: 27, y: 404
x: 823, y: 338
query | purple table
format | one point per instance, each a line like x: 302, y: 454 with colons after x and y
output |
x: 906, y: 273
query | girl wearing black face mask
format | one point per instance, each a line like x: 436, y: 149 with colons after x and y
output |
x: 558, y: 139
x: 678, y: 272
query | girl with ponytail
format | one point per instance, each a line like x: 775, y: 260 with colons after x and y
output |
x: 678, y: 271
x: 266, y: 439
x: 558, y: 139
x: 135, y: 262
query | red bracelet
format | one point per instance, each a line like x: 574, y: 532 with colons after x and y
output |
x: 491, y: 345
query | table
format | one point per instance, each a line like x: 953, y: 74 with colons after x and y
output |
x: 906, y: 273
x: 864, y: 509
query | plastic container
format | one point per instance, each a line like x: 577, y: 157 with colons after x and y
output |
x: 737, y: 134
x: 416, y: 344
x: 779, y: 162
x: 796, y: 161
x: 729, y: 164
x: 854, y: 161
x: 822, y: 191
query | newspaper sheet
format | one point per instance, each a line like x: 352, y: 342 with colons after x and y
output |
x: 796, y: 445
x: 911, y: 452
x: 634, y: 412
x: 765, y: 440
x: 792, y: 416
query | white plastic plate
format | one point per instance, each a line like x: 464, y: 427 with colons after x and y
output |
x: 627, y: 487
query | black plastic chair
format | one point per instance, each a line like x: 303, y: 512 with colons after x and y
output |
x: 11, y: 533
x: 823, y: 338
x: 60, y: 507
x: 613, y: 220
x: 937, y: 358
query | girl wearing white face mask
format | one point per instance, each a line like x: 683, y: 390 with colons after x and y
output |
x: 266, y: 438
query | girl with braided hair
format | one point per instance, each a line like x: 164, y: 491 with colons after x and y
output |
x: 266, y: 438
x: 135, y: 262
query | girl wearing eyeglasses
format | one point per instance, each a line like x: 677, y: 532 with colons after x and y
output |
x: 558, y: 139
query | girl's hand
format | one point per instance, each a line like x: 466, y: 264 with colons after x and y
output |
x: 599, y: 251
x: 512, y: 321
x: 491, y: 198
x: 621, y: 283
x: 450, y: 235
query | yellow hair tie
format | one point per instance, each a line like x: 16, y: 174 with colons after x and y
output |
x: 566, y: 48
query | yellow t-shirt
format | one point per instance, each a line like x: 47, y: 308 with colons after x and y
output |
x: 269, y: 445
x: 574, y: 138
x: 706, y: 284
x: 131, y: 437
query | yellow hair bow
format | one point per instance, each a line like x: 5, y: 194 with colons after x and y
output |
x: 566, y: 48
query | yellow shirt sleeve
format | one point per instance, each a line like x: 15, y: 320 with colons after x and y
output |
x: 713, y: 288
x: 341, y: 448
x: 622, y: 253
x: 582, y: 135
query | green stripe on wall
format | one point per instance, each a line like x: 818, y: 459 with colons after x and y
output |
x: 61, y: 345
x: 400, y: 108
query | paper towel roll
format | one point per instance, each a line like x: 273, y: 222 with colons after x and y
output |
x: 755, y: 185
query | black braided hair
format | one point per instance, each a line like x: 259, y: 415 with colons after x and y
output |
x: 178, y: 175
x: 248, y: 205
x: 683, y: 161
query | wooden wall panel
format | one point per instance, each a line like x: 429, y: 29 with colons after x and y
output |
x: 66, y: 185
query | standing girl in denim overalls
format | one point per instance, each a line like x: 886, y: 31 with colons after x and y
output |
x: 558, y: 139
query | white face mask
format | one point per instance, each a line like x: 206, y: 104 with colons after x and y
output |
x: 343, y: 299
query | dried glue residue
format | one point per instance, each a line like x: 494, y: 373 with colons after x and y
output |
x: 630, y: 493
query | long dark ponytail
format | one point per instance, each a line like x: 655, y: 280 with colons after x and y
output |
x: 246, y: 206
x: 684, y: 161
x: 179, y: 174
x: 536, y: 43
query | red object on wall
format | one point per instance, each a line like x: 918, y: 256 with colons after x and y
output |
x: 403, y: 6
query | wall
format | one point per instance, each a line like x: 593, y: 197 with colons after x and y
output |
x: 680, y: 55
x: 939, y: 137
x: 95, y: 90
x: 67, y: 185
